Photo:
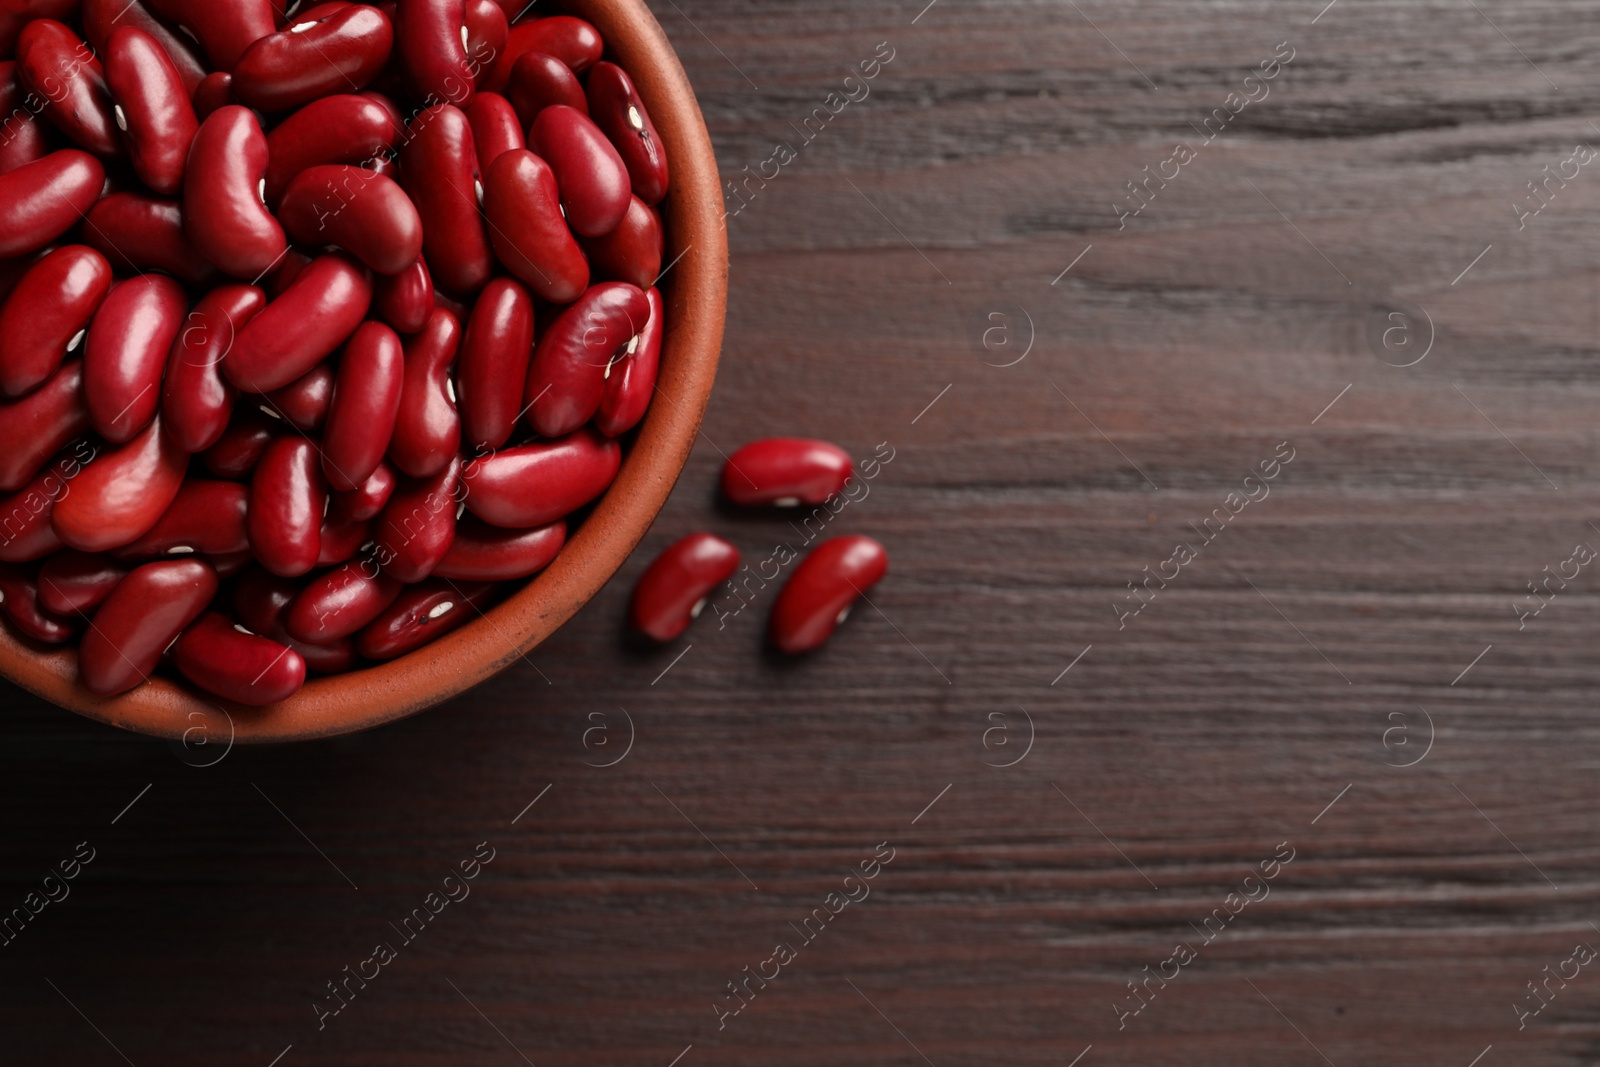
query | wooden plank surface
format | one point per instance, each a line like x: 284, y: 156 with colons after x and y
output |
x: 1340, y: 673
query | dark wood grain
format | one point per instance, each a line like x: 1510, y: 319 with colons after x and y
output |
x: 1178, y: 752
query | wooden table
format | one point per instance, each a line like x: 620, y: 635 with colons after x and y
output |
x: 1346, y: 668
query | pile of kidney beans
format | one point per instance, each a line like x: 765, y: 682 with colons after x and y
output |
x: 317, y: 323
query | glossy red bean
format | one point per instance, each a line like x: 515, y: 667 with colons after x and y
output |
x: 484, y: 553
x: 632, y: 384
x: 122, y: 493
x: 367, y: 499
x: 24, y: 138
x: 416, y: 527
x: 214, y: 92
x: 206, y: 517
x: 42, y: 200
x: 532, y: 485
x: 630, y: 253
x: 538, y: 81
x: 151, y: 108
x: 340, y: 602
x: 438, y: 167
x: 422, y: 613
x: 241, y: 445
x: 242, y: 667
x: 567, y: 378
x: 47, y: 314
x: 487, y: 30
x: 15, y: 14
x: 260, y: 600
x: 320, y: 309
x: 615, y: 106
x: 304, y: 402
x: 60, y: 69
x: 431, y: 41
x: 493, y: 365
x: 73, y: 582
x: 287, y: 500
x: 223, y: 214
x: 366, y: 399
x: 594, y: 182
x: 427, y: 430
x: 364, y: 213
x: 495, y: 128
x: 223, y: 30
x: 571, y: 40
x: 528, y: 231
x: 19, y: 599
x: 404, y: 300
x: 102, y: 18
x: 279, y: 278
x: 822, y: 589
x: 129, y: 339
x: 26, y: 531
x: 672, y: 591
x: 196, y: 401
x: 33, y: 428
x: 785, y: 472
x: 139, y: 620
x: 137, y: 233
x: 342, y: 539
x: 344, y: 128
x: 322, y: 52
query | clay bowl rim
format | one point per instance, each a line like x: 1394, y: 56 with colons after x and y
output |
x: 695, y: 290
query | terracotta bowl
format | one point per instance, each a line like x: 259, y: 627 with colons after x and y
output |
x: 696, y: 295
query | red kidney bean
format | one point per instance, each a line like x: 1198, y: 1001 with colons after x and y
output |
x: 145, y: 233
x: 539, y: 81
x: 42, y: 200
x: 367, y: 499
x: 320, y: 309
x: 151, y: 107
x: 438, y: 169
x: 404, y: 300
x: 632, y: 383
x: 139, y: 620
x: 206, y: 517
x: 344, y: 128
x: 125, y: 351
x: 260, y: 600
x: 304, y: 402
x: 529, y: 233
x: 366, y: 399
x: 242, y: 667
x: 342, y: 538
x: 427, y: 431
x: 73, y: 582
x: 487, y: 553
x: 631, y: 252
x: 321, y: 52
x: 422, y: 613
x: 571, y: 40
x: 15, y: 14
x: 417, y: 525
x: 615, y: 106
x: 47, y: 313
x: 531, y: 485
x: 121, y: 494
x: 214, y: 92
x: 339, y: 603
x: 364, y: 213
x: 26, y: 532
x: 33, y: 428
x: 278, y: 280
x: 594, y: 182
x: 820, y: 592
x: 196, y: 401
x: 102, y: 18
x: 431, y: 41
x: 495, y: 128
x: 494, y: 363
x: 23, y: 138
x: 487, y: 29
x: 287, y: 500
x: 60, y: 70
x: 785, y: 472
x: 19, y: 599
x: 223, y: 214
x: 223, y: 30
x: 672, y: 591
x: 567, y: 378
x: 241, y: 445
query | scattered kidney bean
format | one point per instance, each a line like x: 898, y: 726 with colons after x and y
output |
x: 145, y: 233
x: 26, y: 139
x: 151, y: 107
x: 126, y: 350
x: 58, y: 68
x: 785, y: 472
x: 567, y: 378
x: 538, y: 81
x: 404, y: 300
x: 320, y: 309
x: 571, y: 40
x: 340, y: 602
x: 47, y: 314
x: 344, y: 128
x: 431, y: 41
x: 632, y: 383
x: 196, y: 400
x: 615, y: 106
x: 223, y: 30
x: 528, y: 231
x: 239, y: 449
x: 417, y: 525
x: 304, y: 402
x: 366, y: 400
x: 364, y: 213
x: 328, y: 50
x: 15, y: 14
x: 120, y: 494
x: 223, y: 214
x: 35, y: 427
x: 73, y: 582
x: 438, y: 168
x: 496, y: 128
x: 260, y: 600
x: 215, y: 91
x: 493, y: 364
x: 367, y: 499
x: 531, y: 485
x: 19, y: 599
x: 102, y: 18
x: 42, y: 200
x: 287, y: 500
x: 820, y: 592
x: 631, y: 252
x: 341, y: 539
x: 206, y: 517
x: 594, y: 182
x: 672, y: 591
x: 422, y: 613
x: 26, y: 531
x: 136, y: 623
x: 487, y: 553
x: 246, y: 668
x: 486, y: 32
x: 427, y: 431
